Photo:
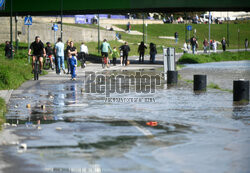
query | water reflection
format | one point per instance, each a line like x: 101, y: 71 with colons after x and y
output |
x: 241, y: 112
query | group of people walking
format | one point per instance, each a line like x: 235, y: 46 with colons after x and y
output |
x: 124, y: 52
x: 207, y: 45
x: 69, y: 54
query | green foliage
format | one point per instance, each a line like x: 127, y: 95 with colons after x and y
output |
x: 14, y: 72
x: 2, y: 111
x: 214, y: 86
x: 205, y: 58
x: 90, y: 26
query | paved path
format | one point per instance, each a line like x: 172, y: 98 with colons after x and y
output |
x: 115, y: 28
x: 97, y: 67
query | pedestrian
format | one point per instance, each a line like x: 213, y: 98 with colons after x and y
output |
x: 49, y: 53
x: 128, y: 27
x: 125, y: 49
x: 211, y: 44
x: 121, y: 57
x: 171, y: 18
x: 223, y: 43
x: 246, y: 44
x: 197, y: 46
x: 105, y: 48
x: 188, y: 46
x: 115, y: 55
x: 193, y: 44
x: 7, y: 49
x: 185, y: 48
x: 141, y: 51
x: 84, y: 51
x: 205, y: 45
x: 214, y: 46
x: 66, y: 56
x: 73, y: 65
x: 176, y: 37
x: 73, y: 51
x: 152, y: 52
x: 59, y: 51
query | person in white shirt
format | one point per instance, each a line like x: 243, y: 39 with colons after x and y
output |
x: 185, y: 48
x: 84, y: 48
x: 214, y: 46
x: 83, y: 52
x: 59, y: 51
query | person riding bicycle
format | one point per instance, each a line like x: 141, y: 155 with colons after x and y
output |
x: 49, y: 53
x: 38, y: 51
x: 105, y: 47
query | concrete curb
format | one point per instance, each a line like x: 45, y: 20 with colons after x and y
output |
x: 5, y: 94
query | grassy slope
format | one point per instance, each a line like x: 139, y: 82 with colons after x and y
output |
x: 2, y: 111
x: 217, y: 32
x: 205, y: 58
x: 14, y: 72
x: 156, y: 30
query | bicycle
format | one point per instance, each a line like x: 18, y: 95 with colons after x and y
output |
x: 47, y: 64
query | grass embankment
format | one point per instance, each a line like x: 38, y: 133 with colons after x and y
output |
x: 13, y: 73
x: 2, y: 112
x: 155, y: 30
x: 214, y: 57
x: 218, y: 31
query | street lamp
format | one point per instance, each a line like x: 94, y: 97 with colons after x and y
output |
x: 146, y: 32
x: 16, y: 20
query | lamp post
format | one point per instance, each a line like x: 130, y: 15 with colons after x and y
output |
x: 143, y: 29
x: 11, y: 38
x: 146, y: 32
x: 98, y: 33
x: 61, y: 19
x: 16, y: 20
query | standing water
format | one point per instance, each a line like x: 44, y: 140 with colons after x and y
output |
x: 90, y: 132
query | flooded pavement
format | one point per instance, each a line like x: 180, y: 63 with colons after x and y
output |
x: 222, y: 73
x: 90, y: 132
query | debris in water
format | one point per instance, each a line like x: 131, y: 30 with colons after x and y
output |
x: 152, y: 123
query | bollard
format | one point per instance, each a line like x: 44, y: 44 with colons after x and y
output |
x: 241, y: 90
x: 172, y: 77
x: 200, y: 82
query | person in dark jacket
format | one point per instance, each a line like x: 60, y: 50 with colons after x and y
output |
x: 49, y: 53
x: 141, y: 51
x: 7, y: 49
x: 193, y: 43
x: 152, y: 52
x: 125, y: 49
x: 66, y: 56
x: 223, y: 43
